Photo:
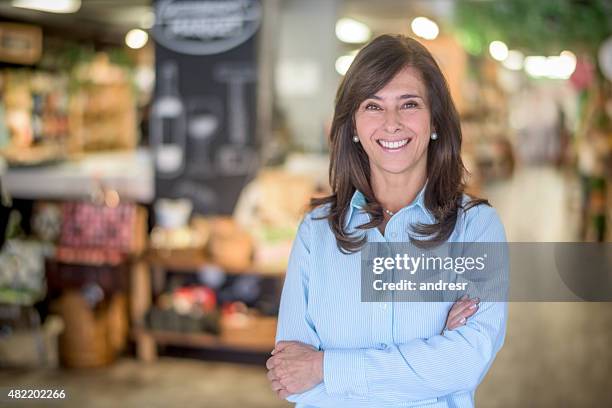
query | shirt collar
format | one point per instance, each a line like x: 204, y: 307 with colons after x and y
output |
x: 358, y: 201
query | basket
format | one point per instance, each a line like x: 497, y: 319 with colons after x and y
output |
x: 92, y: 337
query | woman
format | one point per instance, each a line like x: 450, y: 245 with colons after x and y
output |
x: 396, y: 176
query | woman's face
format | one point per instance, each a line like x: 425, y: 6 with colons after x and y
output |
x: 394, y: 125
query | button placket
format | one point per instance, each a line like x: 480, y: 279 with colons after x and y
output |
x: 382, y: 311
x: 382, y: 323
x: 381, y: 346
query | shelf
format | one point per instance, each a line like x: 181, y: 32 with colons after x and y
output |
x: 188, y: 261
x: 253, y: 334
x: 257, y: 336
x: 130, y: 173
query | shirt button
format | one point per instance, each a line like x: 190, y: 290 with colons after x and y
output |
x: 381, y: 346
x: 394, y: 235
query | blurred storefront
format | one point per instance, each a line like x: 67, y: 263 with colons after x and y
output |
x: 157, y: 157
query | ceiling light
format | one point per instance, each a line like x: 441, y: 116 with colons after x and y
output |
x: 343, y: 63
x: 514, y: 61
x: 352, y: 31
x: 498, y: 50
x: 569, y: 62
x: 563, y: 66
x: 425, y: 28
x: 535, y: 66
x: 136, y: 38
x: 51, y: 6
x: 555, y: 67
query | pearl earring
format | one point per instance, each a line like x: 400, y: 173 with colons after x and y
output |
x: 434, y: 136
x: 356, y: 139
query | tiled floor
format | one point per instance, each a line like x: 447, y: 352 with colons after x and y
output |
x: 555, y: 355
x: 170, y: 382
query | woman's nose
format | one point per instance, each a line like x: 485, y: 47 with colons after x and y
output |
x: 392, y: 123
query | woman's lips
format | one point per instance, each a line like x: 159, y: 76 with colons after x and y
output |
x: 393, y: 145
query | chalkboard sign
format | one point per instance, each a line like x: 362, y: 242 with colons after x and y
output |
x: 202, y: 121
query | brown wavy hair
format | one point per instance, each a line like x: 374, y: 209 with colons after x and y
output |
x: 374, y: 66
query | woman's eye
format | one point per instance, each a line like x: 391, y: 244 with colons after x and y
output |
x: 372, y: 107
x: 410, y: 104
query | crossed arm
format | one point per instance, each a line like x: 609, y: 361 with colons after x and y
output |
x: 296, y: 367
x: 420, y: 369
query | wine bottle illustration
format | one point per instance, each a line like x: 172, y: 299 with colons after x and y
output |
x: 236, y: 157
x: 168, y: 124
x: 204, y: 115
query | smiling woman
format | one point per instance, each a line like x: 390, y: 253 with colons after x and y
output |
x: 396, y: 176
x: 394, y: 128
x: 394, y: 93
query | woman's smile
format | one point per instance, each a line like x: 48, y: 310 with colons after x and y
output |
x: 393, y: 146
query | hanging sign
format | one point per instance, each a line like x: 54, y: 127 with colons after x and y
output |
x: 205, y: 27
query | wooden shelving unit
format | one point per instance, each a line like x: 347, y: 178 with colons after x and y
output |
x: 195, y: 261
x: 255, y: 334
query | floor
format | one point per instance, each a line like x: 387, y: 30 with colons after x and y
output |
x: 170, y: 382
x: 555, y: 354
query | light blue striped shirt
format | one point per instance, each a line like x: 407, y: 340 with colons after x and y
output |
x: 385, y: 354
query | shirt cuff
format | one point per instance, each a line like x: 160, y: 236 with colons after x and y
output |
x: 344, y: 373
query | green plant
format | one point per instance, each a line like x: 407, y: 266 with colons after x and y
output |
x: 537, y: 27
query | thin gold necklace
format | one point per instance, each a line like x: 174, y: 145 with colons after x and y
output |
x: 388, y: 212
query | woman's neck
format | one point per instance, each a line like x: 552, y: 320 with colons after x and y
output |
x: 395, y: 191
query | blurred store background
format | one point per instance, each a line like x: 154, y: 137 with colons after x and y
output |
x: 157, y: 157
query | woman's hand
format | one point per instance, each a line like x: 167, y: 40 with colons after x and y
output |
x: 294, y: 368
x: 461, y: 311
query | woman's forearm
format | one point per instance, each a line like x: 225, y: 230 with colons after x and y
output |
x: 421, y: 368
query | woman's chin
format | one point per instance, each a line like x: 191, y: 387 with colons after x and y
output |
x: 404, y: 168
x: 396, y: 166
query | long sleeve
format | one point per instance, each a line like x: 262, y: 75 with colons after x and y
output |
x: 428, y: 368
x: 294, y: 324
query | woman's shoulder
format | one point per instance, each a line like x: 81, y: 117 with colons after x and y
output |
x: 318, y: 213
x: 315, y: 219
x: 314, y: 230
x: 473, y: 207
x: 480, y: 221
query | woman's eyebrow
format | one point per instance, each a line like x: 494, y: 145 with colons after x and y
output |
x: 408, y: 96
x: 404, y: 96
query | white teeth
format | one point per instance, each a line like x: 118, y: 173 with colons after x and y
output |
x: 393, y: 145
